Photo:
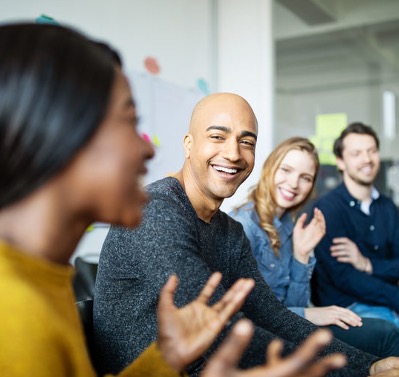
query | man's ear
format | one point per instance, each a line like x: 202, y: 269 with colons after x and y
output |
x: 188, y: 140
x: 340, y: 164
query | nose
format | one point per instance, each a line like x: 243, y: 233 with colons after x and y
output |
x: 148, y: 149
x: 366, y: 156
x: 231, y: 150
x: 293, y: 180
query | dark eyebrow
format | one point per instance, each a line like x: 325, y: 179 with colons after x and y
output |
x: 250, y: 134
x: 228, y: 130
x: 220, y: 128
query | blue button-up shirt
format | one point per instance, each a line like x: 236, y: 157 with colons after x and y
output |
x: 287, y: 277
x: 376, y: 232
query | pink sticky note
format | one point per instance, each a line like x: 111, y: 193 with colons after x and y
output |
x: 146, y: 138
x: 151, y: 64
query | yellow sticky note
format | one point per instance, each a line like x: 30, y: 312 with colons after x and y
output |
x: 156, y: 141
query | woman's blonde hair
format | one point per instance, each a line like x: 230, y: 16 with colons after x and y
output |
x: 263, y: 194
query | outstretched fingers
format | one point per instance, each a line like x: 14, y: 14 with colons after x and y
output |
x: 302, y: 358
x: 230, y: 352
x: 326, y: 364
x: 233, y: 299
x: 210, y: 287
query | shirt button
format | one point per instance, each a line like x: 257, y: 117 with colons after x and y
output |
x: 272, y: 265
x: 375, y: 247
x: 371, y: 227
x: 351, y: 203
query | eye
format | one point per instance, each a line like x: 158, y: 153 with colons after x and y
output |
x: 284, y: 169
x: 216, y: 137
x: 307, y: 179
x: 248, y: 143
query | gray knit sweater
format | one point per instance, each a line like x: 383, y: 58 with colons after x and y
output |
x: 134, y: 265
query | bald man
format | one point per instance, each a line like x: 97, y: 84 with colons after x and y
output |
x: 184, y: 232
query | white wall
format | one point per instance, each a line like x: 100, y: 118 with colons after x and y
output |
x: 227, y: 43
x: 245, y: 65
x: 176, y: 32
x: 296, y: 113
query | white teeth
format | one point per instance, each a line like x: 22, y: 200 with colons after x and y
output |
x: 225, y: 170
x: 287, y: 193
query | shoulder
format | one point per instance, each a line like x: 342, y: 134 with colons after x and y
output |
x: 169, y: 205
x: 331, y: 200
x: 229, y: 226
x: 167, y: 189
x: 386, y: 201
x: 388, y: 206
x: 246, y: 215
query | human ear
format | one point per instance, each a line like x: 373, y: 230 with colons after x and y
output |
x: 188, y: 140
x: 340, y: 164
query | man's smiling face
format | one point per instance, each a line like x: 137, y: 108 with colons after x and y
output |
x: 360, y: 160
x: 220, y: 148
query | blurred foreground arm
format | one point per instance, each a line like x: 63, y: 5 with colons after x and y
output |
x: 185, y: 333
x: 301, y: 363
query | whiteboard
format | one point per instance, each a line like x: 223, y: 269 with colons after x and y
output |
x: 164, y: 110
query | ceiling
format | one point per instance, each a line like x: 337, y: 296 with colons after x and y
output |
x: 329, y: 44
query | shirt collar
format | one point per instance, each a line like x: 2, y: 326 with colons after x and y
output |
x: 353, y: 202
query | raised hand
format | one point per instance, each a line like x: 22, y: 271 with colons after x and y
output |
x: 333, y: 315
x: 346, y: 251
x: 306, y: 238
x: 185, y: 333
x: 300, y: 364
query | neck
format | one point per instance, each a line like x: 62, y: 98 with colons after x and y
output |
x: 38, y: 225
x: 358, y: 191
x: 279, y: 212
x: 203, y: 206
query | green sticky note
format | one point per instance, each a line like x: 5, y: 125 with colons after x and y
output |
x: 328, y: 128
x: 330, y: 125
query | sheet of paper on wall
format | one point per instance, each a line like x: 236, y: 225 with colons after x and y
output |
x: 328, y: 128
x: 164, y: 110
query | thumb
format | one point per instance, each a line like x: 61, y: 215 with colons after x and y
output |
x: 167, y: 295
x: 301, y: 220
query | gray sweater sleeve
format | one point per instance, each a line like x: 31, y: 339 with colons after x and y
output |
x: 134, y: 265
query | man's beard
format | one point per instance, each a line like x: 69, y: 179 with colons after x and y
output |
x: 361, y: 181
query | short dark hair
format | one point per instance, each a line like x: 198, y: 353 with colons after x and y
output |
x: 353, y: 128
x: 55, y: 86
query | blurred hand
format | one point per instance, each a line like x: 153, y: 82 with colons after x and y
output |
x: 300, y: 364
x: 388, y: 367
x: 306, y: 238
x: 333, y: 315
x: 185, y: 333
x: 346, y: 251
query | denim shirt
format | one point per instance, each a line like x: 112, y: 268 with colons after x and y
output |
x: 288, y: 278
